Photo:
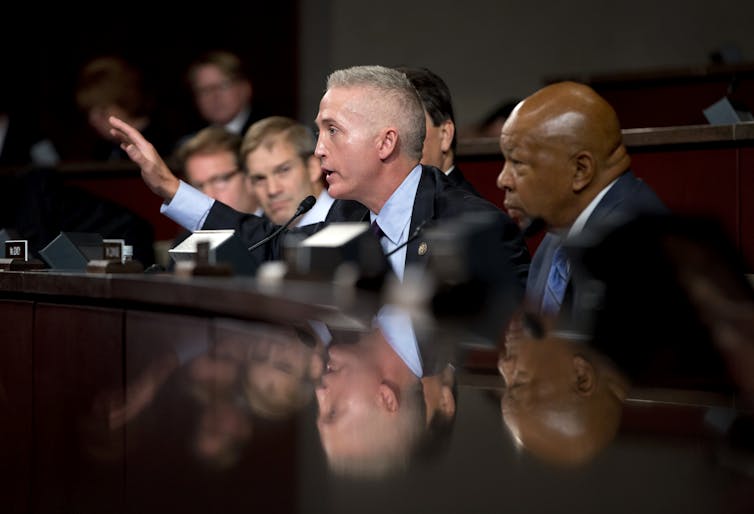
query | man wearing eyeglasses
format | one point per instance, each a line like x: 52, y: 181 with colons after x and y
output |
x: 222, y: 91
x: 210, y: 162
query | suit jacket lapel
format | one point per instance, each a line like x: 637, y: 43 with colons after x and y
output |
x: 418, y: 250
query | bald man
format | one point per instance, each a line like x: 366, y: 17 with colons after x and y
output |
x: 563, y: 402
x: 566, y: 165
x: 674, y: 311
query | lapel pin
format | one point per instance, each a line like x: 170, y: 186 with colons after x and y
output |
x: 422, y: 248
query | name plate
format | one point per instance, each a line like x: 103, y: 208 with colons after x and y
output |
x: 17, y: 249
x: 112, y: 249
x: 17, y: 257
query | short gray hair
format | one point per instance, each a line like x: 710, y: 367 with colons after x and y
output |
x: 405, y: 108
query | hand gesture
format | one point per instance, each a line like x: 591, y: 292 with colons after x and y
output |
x: 154, y: 171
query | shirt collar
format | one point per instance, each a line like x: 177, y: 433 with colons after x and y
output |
x: 578, y: 225
x: 236, y: 124
x: 395, y: 216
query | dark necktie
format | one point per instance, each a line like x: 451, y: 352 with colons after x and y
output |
x: 377, y: 231
x: 557, y: 280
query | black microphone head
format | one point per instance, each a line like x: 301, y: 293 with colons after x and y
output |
x: 306, y: 204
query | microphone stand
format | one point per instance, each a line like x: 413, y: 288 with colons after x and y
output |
x: 413, y: 236
x: 305, y: 205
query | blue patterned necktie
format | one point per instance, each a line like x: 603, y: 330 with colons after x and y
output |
x: 557, y: 280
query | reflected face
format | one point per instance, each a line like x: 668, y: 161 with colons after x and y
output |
x: 213, y: 375
x: 222, y: 429
x: 277, y: 367
x: 536, y: 176
x: 217, y: 175
x: 371, y: 407
x: 347, y: 144
x: 218, y: 98
x: 556, y: 405
x: 536, y: 372
x: 347, y: 397
x: 281, y: 178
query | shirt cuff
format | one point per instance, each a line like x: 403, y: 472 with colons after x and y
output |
x: 189, y: 207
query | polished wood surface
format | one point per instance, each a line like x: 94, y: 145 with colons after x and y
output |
x: 78, y: 353
x: 638, y: 139
x: 16, y: 401
x: 75, y: 348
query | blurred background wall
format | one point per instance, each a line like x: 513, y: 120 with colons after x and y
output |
x: 490, y: 50
x: 487, y: 50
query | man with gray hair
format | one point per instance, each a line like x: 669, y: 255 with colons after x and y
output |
x: 371, y: 130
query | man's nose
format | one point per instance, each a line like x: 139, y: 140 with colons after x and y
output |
x: 506, y: 365
x: 319, y: 148
x: 273, y: 186
x: 503, y: 179
x: 320, y: 391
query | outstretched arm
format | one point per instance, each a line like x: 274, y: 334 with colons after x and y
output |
x: 154, y: 171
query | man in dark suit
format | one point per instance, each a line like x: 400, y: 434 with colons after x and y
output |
x: 371, y: 131
x: 441, y: 138
x: 566, y: 165
x: 210, y: 161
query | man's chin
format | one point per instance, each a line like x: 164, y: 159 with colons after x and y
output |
x: 518, y: 216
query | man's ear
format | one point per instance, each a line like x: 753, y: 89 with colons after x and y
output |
x: 447, y: 131
x: 584, y: 377
x: 447, y: 402
x: 388, y: 397
x: 387, y: 143
x: 584, y: 169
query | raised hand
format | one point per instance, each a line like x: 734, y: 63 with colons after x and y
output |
x: 154, y: 171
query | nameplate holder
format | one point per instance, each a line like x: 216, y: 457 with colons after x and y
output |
x: 727, y: 112
x: 17, y: 256
x: 339, y: 246
x: 112, y: 266
x: 17, y: 249
x: 212, y: 252
x: 112, y: 249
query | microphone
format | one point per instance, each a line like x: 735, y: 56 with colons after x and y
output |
x: 305, y: 205
x: 413, y: 236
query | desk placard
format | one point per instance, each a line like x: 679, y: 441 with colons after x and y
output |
x: 17, y: 249
x: 17, y: 257
x: 208, y: 248
x: 112, y: 249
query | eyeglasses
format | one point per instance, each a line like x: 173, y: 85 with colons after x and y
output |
x: 218, y: 182
x: 209, y: 89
